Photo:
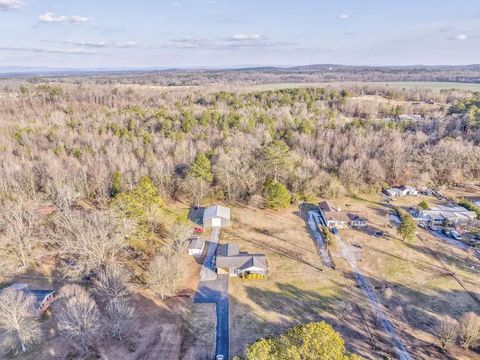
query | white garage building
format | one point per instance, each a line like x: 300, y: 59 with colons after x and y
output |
x: 216, y: 216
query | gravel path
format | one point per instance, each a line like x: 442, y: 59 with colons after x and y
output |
x: 349, y: 254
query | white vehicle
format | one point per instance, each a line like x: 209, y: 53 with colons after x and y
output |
x: 433, y: 227
x: 456, y: 235
x: 422, y: 225
x: 219, y: 357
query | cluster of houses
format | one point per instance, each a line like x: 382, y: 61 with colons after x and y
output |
x: 334, y: 217
x: 445, y: 215
x: 401, y: 191
x: 228, y: 257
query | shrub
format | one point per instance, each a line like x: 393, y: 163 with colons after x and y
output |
x: 423, y: 204
x: 469, y: 332
x: 277, y: 195
x: 470, y: 206
x: 254, y: 276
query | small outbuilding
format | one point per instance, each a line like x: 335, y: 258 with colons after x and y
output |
x: 216, y: 216
x: 43, y: 298
x: 196, y: 247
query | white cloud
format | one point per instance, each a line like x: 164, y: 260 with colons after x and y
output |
x: 6, y: 5
x: 126, y: 44
x: 50, y: 17
x: 461, y: 37
x: 344, y: 16
x: 99, y: 44
x: 245, y: 37
x: 79, y: 19
x: 74, y: 51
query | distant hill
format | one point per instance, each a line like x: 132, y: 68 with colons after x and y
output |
x: 256, y: 75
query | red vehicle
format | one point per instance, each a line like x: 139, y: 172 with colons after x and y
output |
x: 198, y: 230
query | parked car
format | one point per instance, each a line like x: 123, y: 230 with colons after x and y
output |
x: 456, y: 235
x: 334, y: 231
x: 422, y: 225
x: 219, y: 357
x: 198, y: 230
x: 378, y: 233
x: 447, y: 232
x: 433, y: 227
x: 477, y: 253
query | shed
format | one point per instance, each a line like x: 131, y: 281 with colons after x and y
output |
x: 216, y: 216
x: 43, y: 298
x: 196, y: 247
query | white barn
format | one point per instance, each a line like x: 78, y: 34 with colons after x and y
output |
x: 216, y: 216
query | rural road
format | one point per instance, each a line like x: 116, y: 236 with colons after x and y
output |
x: 213, y: 289
x: 349, y: 254
x: 313, y: 220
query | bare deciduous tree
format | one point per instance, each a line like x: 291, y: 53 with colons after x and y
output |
x: 120, y: 316
x: 164, y: 272
x: 446, y: 330
x: 111, y: 284
x: 90, y: 241
x: 19, y: 327
x: 180, y: 232
x: 78, y: 317
x: 469, y: 331
x: 19, y: 227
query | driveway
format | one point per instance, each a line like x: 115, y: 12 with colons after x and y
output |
x: 449, y: 240
x: 207, y: 272
x: 314, y: 219
x: 216, y: 292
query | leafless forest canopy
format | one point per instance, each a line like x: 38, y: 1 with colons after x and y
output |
x: 301, y: 74
x: 72, y: 138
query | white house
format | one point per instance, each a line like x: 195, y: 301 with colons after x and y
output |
x: 446, y: 215
x: 231, y: 261
x: 401, y: 191
x: 216, y: 216
x: 196, y: 246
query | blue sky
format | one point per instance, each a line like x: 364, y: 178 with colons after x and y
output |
x: 227, y: 33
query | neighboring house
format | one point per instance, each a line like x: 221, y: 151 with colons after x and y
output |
x: 395, y: 220
x: 335, y: 217
x: 448, y: 215
x: 401, y: 191
x: 43, y: 298
x: 196, y: 246
x: 216, y: 216
x: 230, y: 260
x: 410, y: 117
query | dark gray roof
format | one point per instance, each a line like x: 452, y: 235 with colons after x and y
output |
x: 196, y: 244
x: 228, y: 250
x: 259, y: 261
x: 242, y: 261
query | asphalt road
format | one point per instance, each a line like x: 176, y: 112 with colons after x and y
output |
x: 216, y: 292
